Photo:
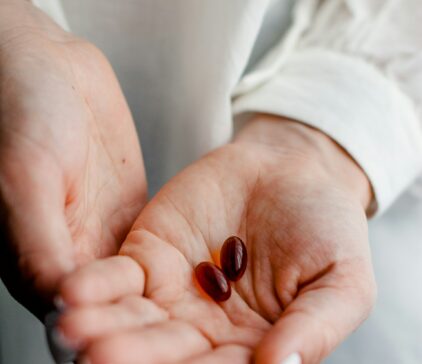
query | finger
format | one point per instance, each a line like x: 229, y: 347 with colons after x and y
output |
x: 38, y: 246
x: 317, y: 321
x: 82, y: 325
x: 167, y: 342
x: 103, y: 281
x: 164, y: 265
x: 228, y: 354
x: 60, y: 351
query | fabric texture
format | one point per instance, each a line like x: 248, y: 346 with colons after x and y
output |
x: 352, y: 69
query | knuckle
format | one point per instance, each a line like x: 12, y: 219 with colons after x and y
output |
x: 76, y: 288
x: 68, y: 288
x: 366, y: 294
x: 133, y: 273
x: 368, y: 287
x: 361, y: 284
x: 133, y: 303
x: 76, y: 323
x: 143, y: 308
x: 370, y: 292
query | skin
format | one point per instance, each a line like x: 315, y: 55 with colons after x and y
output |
x: 71, y: 172
x: 296, y: 199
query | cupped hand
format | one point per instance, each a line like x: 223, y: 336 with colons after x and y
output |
x: 71, y: 172
x: 308, y: 283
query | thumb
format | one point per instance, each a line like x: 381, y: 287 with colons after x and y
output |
x: 320, y: 318
x: 36, y: 248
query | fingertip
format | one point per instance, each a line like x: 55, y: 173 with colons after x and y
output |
x: 102, y: 281
x: 59, y: 303
x: 73, y: 326
x: 61, y: 349
x: 75, y: 290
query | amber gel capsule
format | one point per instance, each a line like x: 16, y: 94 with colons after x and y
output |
x: 213, y: 281
x: 233, y: 258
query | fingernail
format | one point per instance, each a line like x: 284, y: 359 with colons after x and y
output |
x: 50, y: 320
x: 292, y: 359
x: 62, y: 341
x: 59, y: 303
x: 61, y: 349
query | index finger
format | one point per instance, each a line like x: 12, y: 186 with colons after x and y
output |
x: 103, y: 281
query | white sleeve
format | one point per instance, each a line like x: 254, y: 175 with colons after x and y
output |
x: 54, y: 9
x: 353, y: 69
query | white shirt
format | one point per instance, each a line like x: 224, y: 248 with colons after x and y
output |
x: 351, y: 68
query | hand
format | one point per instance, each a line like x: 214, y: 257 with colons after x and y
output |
x: 71, y: 172
x: 296, y: 199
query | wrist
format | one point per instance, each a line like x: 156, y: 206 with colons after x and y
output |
x: 283, y: 134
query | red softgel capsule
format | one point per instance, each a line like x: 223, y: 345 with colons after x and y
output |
x: 233, y: 258
x: 213, y: 281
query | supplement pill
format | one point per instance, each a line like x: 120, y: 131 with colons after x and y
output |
x: 233, y: 258
x: 213, y: 281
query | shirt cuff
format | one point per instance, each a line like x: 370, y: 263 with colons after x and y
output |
x: 54, y: 9
x: 356, y: 105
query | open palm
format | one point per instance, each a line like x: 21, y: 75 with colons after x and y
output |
x: 71, y: 176
x: 308, y: 282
